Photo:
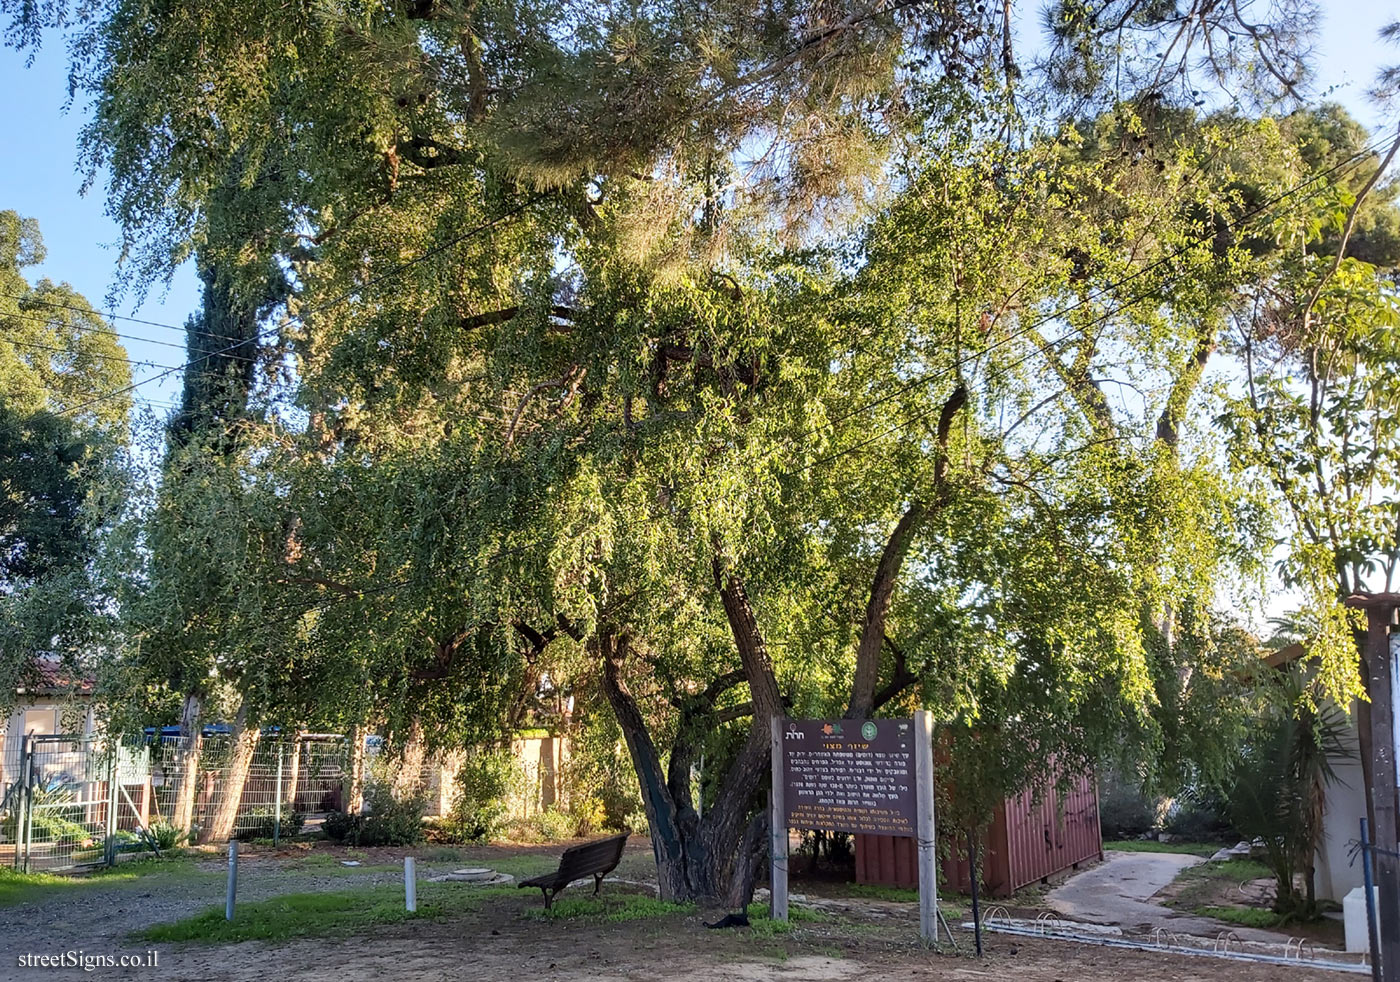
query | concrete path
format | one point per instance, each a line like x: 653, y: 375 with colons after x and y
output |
x: 1119, y: 892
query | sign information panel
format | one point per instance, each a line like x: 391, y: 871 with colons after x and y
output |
x: 850, y: 775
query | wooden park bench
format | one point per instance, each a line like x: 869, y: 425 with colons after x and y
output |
x: 596, y: 859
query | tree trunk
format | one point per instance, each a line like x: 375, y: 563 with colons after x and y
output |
x: 354, y: 791
x: 243, y: 741
x: 187, y: 763
x: 872, y: 634
x: 289, y: 791
x: 700, y: 859
x: 408, y: 773
x: 751, y: 853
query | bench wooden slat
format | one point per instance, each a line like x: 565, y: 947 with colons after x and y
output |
x: 596, y: 859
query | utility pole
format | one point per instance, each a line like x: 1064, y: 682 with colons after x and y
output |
x: 1381, y: 669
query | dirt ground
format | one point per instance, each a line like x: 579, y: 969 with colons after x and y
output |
x: 854, y: 939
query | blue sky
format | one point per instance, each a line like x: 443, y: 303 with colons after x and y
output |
x: 39, y: 176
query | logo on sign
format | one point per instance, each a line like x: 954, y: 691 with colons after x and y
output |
x: 868, y: 730
x: 793, y: 733
x: 832, y: 729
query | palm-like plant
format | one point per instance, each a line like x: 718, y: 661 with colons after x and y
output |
x: 1277, y: 790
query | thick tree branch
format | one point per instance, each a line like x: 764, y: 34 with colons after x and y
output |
x: 491, y: 317
x: 725, y: 820
x: 557, y: 383
x: 748, y: 374
x: 872, y: 635
x: 611, y: 649
x: 1183, y: 387
x: 1080, y: 383
x: 900, y: 679
x: 1347, y: 229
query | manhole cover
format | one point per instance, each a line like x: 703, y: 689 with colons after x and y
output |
x: 473, y: 874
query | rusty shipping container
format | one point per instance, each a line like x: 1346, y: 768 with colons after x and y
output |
x: 1028, y: 841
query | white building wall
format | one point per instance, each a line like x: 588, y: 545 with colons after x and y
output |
x: 1341, y: 824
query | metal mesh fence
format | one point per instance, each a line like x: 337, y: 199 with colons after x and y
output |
x: 287, y: 782
x: 75, y: 803
x: 79, y: 800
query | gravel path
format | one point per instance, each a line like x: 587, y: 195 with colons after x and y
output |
x: 99, y: 916
x: 1119, y: 890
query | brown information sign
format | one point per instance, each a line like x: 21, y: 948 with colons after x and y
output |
x: 850, y: 775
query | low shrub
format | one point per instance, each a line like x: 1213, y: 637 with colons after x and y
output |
x: 262, y: 823
x: 53, y: 817
x: 390, y: 821
x: 547, y: 825
x: 340, y: 826
x: 1125, y: 812
x: 1201, y: 816
x: 589, y: 816
x: 166, y: 836
x: 484, y: 782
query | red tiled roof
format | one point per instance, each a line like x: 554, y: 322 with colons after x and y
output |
x: 54, y: 678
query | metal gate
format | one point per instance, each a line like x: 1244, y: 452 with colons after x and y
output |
x: 71, y: 807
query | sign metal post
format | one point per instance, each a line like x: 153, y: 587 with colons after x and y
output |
x: 928, y: 870
x: 777, y: 823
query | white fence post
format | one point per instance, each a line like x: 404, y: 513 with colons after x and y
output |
x: 232, y: 878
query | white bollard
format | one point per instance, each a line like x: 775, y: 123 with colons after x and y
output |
x: 232, y: 878
x: 410, y: 884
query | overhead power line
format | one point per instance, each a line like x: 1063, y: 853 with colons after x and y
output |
x: 81, y: 354
x: 388, y: 274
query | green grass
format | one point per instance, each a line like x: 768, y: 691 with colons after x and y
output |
x: 1150, y: 845
x: 299, y: 915
x: 763, y: 926
x: 1237, y: 870
x: 619, y: 907
x: 875, y: 891
x: 1207, y: 883
x: 1248, y: 916
x: 19, y: 888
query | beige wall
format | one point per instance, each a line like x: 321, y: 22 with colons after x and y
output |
x: 541, y: 761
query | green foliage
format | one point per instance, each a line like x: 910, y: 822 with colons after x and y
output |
x: 390, y: 821
x: 602, y: 786
x: 1277, y: 790
x: 762, y: 925
x: 61, y: 482
x: 50, y: 821
x: 1248, y: 916
x: 546, y: 825
x: 1125, y: 810
x: 167, y: 836
x: 484, y: 782
x: 1152, y: 845
x: 262, y: 822
x: 341, y: 826
x: 1202, y: 814
x: 1313, y: 425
